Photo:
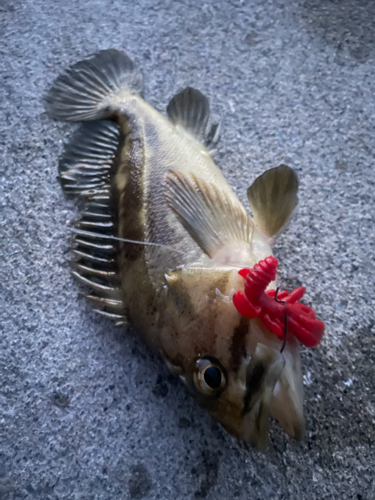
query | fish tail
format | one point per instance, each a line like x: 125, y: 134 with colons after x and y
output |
x: 92, y: 89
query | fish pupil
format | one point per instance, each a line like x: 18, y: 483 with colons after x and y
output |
x: 212, y: 377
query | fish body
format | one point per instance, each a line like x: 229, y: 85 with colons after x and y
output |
x: 162, y: 237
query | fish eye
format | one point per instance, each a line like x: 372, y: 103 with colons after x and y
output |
x: 212, y: 377
x: 209, y: 377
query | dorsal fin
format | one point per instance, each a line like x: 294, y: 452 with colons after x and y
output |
x: 85, y: 170
x: 95, y: 263
x: 209, y: 216
x: 191, y: 110
x: 273, y: 197
x: 87, y: 159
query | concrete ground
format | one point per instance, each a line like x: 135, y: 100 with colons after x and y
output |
x: 86, y: 412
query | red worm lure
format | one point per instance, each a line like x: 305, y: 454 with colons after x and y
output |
x: 256, y: 302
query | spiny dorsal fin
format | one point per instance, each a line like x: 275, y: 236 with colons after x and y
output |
x: 209, y: 216
x: 87, y: 89
x: 95, y: 263
x: 273, y: 197
x: 191, y: 110
x: 87, y: 159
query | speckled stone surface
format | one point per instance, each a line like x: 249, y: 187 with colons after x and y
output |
x: 85, y: 411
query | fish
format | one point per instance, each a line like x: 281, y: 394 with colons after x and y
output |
x: 163, y: 244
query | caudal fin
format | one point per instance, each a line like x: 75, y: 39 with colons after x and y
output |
x: 90, y: 88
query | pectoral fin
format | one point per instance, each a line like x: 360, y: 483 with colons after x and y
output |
x: 209, y: 216
x: 273, y: 197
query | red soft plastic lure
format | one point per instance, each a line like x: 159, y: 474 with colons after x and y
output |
x: 256, y: 302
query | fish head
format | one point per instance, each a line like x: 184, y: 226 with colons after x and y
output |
x: 233, y: 366
x: 265, y: 383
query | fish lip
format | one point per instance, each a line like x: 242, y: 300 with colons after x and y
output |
x: 262, y: 373
x: 254, y: 380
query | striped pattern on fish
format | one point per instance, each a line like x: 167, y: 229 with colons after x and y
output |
x: 162, y: 235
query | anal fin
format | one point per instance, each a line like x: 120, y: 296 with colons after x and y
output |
x: 191, y: 110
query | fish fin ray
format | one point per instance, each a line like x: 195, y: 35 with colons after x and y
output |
x: 87, y: 160
x: 118, y: 318
x: 88, y: 89
x: 95, y: 256
x: 273, y: 198
x: 191, y: 110
x: 209, y: 216
x: 114, y: 304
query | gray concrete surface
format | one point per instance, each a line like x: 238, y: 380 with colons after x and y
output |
x: 86, y: 412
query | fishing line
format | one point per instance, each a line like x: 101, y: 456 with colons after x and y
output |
x: 83, y: 232
x: 126, y: 240
x: 286, y: 321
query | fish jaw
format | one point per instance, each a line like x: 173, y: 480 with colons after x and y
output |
x: 252, y: 396
x: 283, y: 380
x: 287, y: 402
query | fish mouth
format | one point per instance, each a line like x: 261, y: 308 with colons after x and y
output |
x: 270, y: 390
x: 262, y: 374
